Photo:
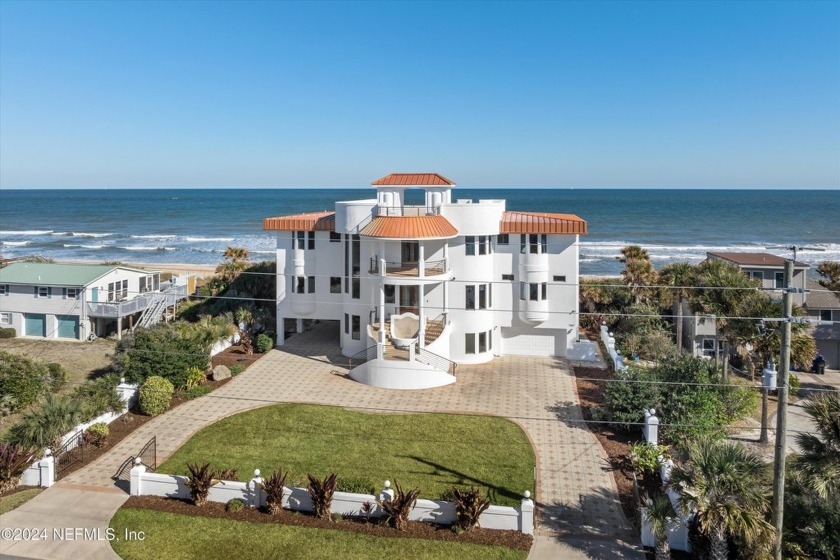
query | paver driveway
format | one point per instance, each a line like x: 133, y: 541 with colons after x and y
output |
x: 576, y: 497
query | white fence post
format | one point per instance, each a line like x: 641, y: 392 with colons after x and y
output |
x: 651, y: 427
x: 256, y: 491
x: 526, y: 517
x: 137, y: 472
x: 387, y: 494
x: 47, y: 468
x: 128, y: 393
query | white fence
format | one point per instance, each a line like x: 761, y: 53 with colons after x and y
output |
x: 609, y: 341
x: 678, y: 533
x: 224, y: 344
x: 42, y: 472
x: 344, y: 503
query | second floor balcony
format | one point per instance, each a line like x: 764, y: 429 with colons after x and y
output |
x: 409, y: 269
x: 113, y: 309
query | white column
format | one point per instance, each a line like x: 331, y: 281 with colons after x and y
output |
x: 281, y: 332
x: 382, y: 311
x: 119, y: 328
x: 137, y: 472
x: 526, y: 524
x: 299, y: 325
x: 420, y: 296
x: 421, y: 262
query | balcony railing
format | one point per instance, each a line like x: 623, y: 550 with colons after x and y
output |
x: 407, y: 211
x: 114, y: 309
x: 411, y: 269
x: 437, y: 362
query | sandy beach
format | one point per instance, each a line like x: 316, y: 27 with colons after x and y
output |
x: 178, y: 269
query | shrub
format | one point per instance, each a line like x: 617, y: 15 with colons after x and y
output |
x: 397, y: 508
x: 196, y: 392
x: 58, y: 375
x: 7, y: 332
x: 644, y: 457
x: 199, y: 482
x: 165, y: 350
x: 366, y: 509
x: 14, y: 459
x: 469, y: 505
x: 227, y: 474
x: 98, y: 397
x: 321, y: 493
x: 25, y: 380
x: 357, y: 485
x: 235, y: 505
x: 97, y: 434
x: 44, y: 425
x: 155, y: 395
x: 236, y: 370
x: 274, y: 487
x: 264, y: 343
x: 195, y: 377
x: 794, y: 386
x: 627, y: 399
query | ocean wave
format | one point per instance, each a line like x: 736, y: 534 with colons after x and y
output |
x: 27, y: 232
x: 145, y: 248
x: 85, y: 234
x: 200, y: 239
x: 153, y: 236
x: 13, y: 243
x: 83, y: 246
x: 263, y: 252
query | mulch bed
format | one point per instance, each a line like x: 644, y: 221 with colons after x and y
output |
x: 177, y: 399
x: 415, y: 529
x: 234, y: 356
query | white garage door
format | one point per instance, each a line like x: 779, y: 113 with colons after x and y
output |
x: 550, y: 342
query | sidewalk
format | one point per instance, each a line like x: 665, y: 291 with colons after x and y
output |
x: 576, y: 494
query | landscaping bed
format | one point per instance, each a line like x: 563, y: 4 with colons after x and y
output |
x: 234, y: 356
x: 414, y: 529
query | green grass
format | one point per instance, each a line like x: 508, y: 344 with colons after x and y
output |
x: 428, y: 451
x: 174, y: 537
x: 8, y: 503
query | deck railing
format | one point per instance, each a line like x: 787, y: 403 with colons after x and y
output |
x: 114, y: 309
x: 437, y: 362
x: 408, y: 210
x: 409, y: 268
x: 360, y: 358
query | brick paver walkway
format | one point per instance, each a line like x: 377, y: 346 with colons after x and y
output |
x: 576, y: 494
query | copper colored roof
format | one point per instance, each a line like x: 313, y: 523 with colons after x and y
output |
x: 541, y: 222
x: 310, y: 221
x: 754, y: 259
x: 409, y: 227
x: 406, y: 179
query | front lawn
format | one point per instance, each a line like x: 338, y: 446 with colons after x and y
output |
x: 17, y: 499
x: 174, y: 537
x: 429, y: 451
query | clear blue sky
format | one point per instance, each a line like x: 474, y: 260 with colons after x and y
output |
x: 227, y: 94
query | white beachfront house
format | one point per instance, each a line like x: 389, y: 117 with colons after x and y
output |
x: 420, y: 287
x: 75, y: 301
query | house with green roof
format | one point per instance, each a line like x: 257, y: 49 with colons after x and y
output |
x: 80, y: 301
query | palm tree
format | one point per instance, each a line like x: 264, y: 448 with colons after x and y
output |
x: 819, y: 463
x: 679, y: 275
x: 638, y: 272
x: 725, y: 484
x: 661, y: 516
x: 830, y: 272
x: 237, y: 254
x: 44, y: 425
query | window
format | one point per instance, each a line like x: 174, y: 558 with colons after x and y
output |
x: 756, y: 274
x: 43, y: 291
x: 311, y: 239
x: 482, y: 296
x: 357, y: 289
x: 544, y: 291
x: 335, y: 237
x: 709, y: 346
x: 346, y: 323
x: 469, y: 343
x: 311, y: 285
x: 390, y: 294
x: 507, y: 276
x: 124, y: 289
x: 71, y: 293
x: 534, y: 292
x: 780, y: 280
x: 346, y: 264
x: 503, y: 239
x: 825, y: 315
x: 559, y: 278
x: 477, y: 343
x: 335, y: 284
x: 299, y: 284
x: 482, y: 245
x: 523, y: 287
x: 470, y: 240
x: 4, y: 289
x: 111, y: 292
x: 483, y: 301
x: 470, y: 297
x: 357, y: 327
x: 482, y: 342
x: 5, y: 318
x: 533, y: 243
x: 299, y: 238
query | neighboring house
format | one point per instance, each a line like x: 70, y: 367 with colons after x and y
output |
x: 463, y: 280
x: 823, y: 307
x: 700, y: 333
x: 75, y: 301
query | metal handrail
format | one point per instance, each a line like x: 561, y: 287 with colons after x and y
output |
x: 437, y: 362
x: 115, y: 309
x: 360, y: 358
x: 407, y: 210
x: 431, y: 268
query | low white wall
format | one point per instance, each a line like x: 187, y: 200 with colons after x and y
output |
x: 223, y: 345
x: 40, y: 473
x: 344, y: 503
x: 397, y: 374
x: 609, y: 342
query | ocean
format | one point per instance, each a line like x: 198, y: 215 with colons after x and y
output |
x: 194, y: 226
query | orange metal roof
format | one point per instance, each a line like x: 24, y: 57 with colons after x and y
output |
x: 310, y: 221
x: 414, y: 179
x: 541, y: 222
x: 410, y: 227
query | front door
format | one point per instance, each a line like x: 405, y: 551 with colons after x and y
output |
x: 409, y: 300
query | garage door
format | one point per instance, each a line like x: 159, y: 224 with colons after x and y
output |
x: 35, y: 324
x: 68, y: 326
x: 830, y: 350
x: 530, y: 343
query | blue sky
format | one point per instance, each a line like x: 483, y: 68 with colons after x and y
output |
x: 264, y: 94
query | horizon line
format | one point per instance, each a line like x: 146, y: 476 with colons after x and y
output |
x: 799, y: 189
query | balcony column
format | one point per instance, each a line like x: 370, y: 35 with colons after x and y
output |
x: 382, y: 312
x: 119, y: 328
x: 422, y: 331
x: 421, y: 261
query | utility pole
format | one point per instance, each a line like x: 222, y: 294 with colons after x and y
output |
x: 781, y: 419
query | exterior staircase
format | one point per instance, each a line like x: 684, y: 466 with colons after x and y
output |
x: 434, y: 328
x: 154, y: 311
